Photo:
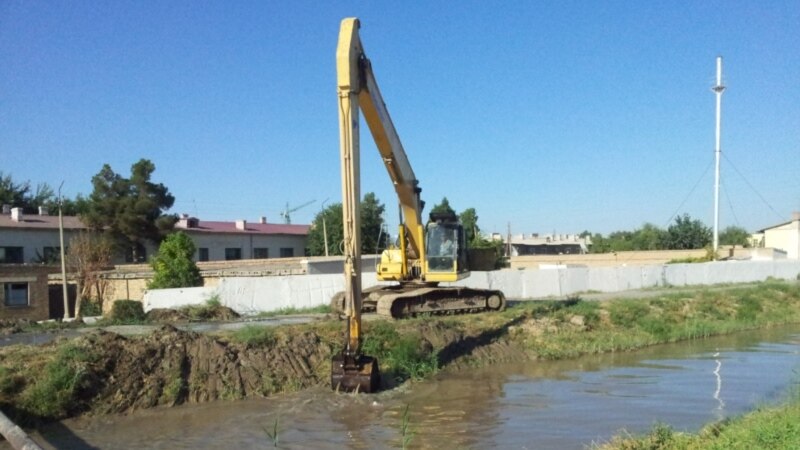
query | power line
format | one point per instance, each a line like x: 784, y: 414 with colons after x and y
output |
x: 690, y: 194
x: 752, y: 188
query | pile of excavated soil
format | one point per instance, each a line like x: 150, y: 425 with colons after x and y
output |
x: 171, y: 366
x: 11, y: 326
x: 166, y: 315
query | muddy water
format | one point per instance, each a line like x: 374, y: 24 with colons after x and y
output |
x: 560, y: 405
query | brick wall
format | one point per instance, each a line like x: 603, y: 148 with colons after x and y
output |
x: 16, y: 277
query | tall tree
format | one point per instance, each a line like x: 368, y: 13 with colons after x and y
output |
x: 469, y: 219
x: 29, y: 199
x: 649, y: 237
x: 686, y: 234
x: 443, y: 207
x: 734, y: 236
x: 87, y: 255
x: 131, y: 210
x: 11, y: 192
x: 329, y: 221
x: 373, y: 239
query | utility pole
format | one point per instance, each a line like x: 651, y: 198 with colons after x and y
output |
x: 508, y: 241
x: 63, y: 259
x: 324, y: 226
x: 718, y: 89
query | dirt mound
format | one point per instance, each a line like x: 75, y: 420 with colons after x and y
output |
x: 166, y: 315
x: 188, y: 314
x: 11, y: 326
x: 171, y: 366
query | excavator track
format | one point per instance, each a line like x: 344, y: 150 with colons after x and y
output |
x: 410, y: 300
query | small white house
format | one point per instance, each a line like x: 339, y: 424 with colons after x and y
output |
x: 784, y: 236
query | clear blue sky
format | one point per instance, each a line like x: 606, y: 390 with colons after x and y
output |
x: 550, y: 116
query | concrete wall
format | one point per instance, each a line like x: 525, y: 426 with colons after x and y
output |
x: 255, y: 294
x: 606, y: 259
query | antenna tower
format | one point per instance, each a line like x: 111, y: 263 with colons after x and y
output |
x: 718, y: 89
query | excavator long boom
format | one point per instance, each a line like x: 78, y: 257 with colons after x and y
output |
x: 351, y: 370
x: 355, y: 76
x: 418, y: 291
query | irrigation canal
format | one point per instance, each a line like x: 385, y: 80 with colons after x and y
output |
x: 541, y: 405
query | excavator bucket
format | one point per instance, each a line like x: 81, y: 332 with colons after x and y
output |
x: 355, y: 374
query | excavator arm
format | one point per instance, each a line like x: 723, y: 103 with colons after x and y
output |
x: 418, y: 291
x: 355, y: 76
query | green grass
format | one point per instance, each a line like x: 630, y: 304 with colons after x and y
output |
x: 52, y: 393
x: 321, y: 309
x: 626, y: 324
x: 401, y: 355
x: 47, y: 382
x: 776, y: 427
x: 255, y: 336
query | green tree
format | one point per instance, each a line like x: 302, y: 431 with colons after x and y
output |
x: 11, y: 192
x: 649, y: 237
x: 469, y: 219
x: 29, y: 199
x: 443, y: 207
x: 734, y: 236
x: 372, y: 237
x: 22, y: 195
x: 329, y: 221
x: 687, y: 234
x: 131, y: 210
x: 174, y: 264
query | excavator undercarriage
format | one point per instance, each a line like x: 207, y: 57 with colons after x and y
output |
x: 406, y: 300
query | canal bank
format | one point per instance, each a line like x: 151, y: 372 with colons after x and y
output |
x: 104, y: 372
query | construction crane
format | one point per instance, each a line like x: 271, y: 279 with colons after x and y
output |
x: 286, y: 212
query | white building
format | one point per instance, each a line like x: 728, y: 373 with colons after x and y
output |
x: 784, y: 237
x: 34, y: 238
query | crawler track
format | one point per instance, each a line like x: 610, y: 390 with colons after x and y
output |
x: 409, y: 300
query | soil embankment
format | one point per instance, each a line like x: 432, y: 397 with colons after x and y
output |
x: 103, y: 372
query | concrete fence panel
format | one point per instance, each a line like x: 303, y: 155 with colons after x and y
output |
x: 256, y: 294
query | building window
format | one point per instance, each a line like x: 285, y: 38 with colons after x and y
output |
x: 260, y: 253
x: 15, y: 294
x: 11, y: 255
x: 140, y: 257
x: 233, y: 254
x: 202, y: 254
x: 287, y: 252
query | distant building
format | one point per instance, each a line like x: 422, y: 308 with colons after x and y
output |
x: 26, y: 238
x: 218, y: 241
x: 34, y: 239
x: 549, y: 244
x: 25, y: 293
x: 784, y: 237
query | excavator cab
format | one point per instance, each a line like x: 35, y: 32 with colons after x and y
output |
x: 445, y: 249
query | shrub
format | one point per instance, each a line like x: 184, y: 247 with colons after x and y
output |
x: 127, y: 311
x: 173, y: 265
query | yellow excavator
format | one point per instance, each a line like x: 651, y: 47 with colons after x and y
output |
x: 426, y: 254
